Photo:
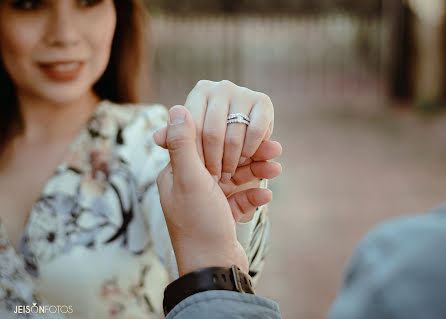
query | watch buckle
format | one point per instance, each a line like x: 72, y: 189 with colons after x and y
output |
x: 236, y: 278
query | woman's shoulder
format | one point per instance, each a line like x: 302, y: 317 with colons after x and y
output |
x: 130, y: 126
x: 129, y: 129
x: 121, y: 136
x: 120, y: 124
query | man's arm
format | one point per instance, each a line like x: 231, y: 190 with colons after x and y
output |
x: 202, y: 230
x: 220, y: 304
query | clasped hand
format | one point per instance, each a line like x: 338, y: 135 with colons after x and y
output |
x: 200, y: 209
x: 235, y: 155
x: 197, y: 212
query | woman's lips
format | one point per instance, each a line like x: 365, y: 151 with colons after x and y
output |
x: 62, y: 71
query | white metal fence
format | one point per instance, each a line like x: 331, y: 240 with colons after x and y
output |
x: 328, y: 57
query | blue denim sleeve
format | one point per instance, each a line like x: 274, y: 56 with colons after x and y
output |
x: 222, y: 304
x: 397, y: 271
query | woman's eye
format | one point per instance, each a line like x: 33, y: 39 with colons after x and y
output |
x: 88, y: 3
x: 27, y: 4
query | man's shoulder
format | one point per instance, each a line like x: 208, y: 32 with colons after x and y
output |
x: 397, y: 269
x: 408, y: 228
x: 395, y: 243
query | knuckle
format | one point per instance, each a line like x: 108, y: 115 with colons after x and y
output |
x: 244, y: 92
x: 195, y: 93
x: 213, y: 168
x: 211, y: 136
x: 175, y: 142
x: 233, y: 141
x: 257, y: 130
x: 226, y: 84
x: 265, y: 99
x: 203, y: 84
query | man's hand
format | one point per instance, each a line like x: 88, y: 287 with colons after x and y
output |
x: 224, y: 147
x: 246, y: 176
x: 198, y: 214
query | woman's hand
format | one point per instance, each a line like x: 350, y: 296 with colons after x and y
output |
x: 247, y: 177
x: 223, y: 147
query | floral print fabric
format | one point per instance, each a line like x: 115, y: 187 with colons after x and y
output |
x: 96, y: 240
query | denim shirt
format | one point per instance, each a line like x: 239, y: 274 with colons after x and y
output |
x: 398, y: 271
x: 222, y: 304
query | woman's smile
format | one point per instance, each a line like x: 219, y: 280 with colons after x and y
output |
x: 62, y: 70
x: 56, y: 50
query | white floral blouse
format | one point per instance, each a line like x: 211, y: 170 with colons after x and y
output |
x: 95, y: 244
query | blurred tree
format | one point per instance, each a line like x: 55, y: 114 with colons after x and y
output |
x: 402, y: 49
x: 230, y: 5
x: 418, y: 68
x: 429, y: 16
x: 363, y: 7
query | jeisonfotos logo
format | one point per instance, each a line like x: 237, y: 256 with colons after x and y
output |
x: 35, y: 308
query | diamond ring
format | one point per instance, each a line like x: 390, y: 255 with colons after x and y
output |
x: 238, y: 118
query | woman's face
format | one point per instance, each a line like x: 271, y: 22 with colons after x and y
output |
x: 56, y: 50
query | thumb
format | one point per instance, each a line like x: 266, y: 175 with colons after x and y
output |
x: 180, y: 140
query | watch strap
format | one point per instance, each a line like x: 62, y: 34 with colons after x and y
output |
x: 212, y: 278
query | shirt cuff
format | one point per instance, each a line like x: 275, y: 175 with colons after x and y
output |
x: 227, y: 304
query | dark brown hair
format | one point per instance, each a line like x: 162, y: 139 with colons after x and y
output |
x: 125, y: 79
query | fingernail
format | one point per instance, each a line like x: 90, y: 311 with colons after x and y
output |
x: 225, y: 178
x: 242, y: 160
x: 177, y: 114
x: 277, y: 143
x: 215, y: 177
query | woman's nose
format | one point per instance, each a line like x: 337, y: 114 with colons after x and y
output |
x: 62, y: 28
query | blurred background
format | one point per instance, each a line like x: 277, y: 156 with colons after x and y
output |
x: 358, y: 89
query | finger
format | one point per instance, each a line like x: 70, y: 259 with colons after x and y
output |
x: 164, y: 181
x: 235, y: 135
x: 182, y: 146
x: 214, y: 130
x: 256, y: 170
x: 267, y: 150
x: 159, y: 137
x: 247, y: 201
x: 246, y: 174
x: 262, y: 114
x: 196, y: 103
x: 269, y: 132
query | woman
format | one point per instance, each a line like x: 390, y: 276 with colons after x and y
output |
x: 81, y: 223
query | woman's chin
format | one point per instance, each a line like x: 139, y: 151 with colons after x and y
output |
x: 64, y: 95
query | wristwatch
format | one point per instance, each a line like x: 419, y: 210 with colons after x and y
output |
x: 213, y: 278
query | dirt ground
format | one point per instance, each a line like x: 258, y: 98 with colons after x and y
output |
x: 347, y: 165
